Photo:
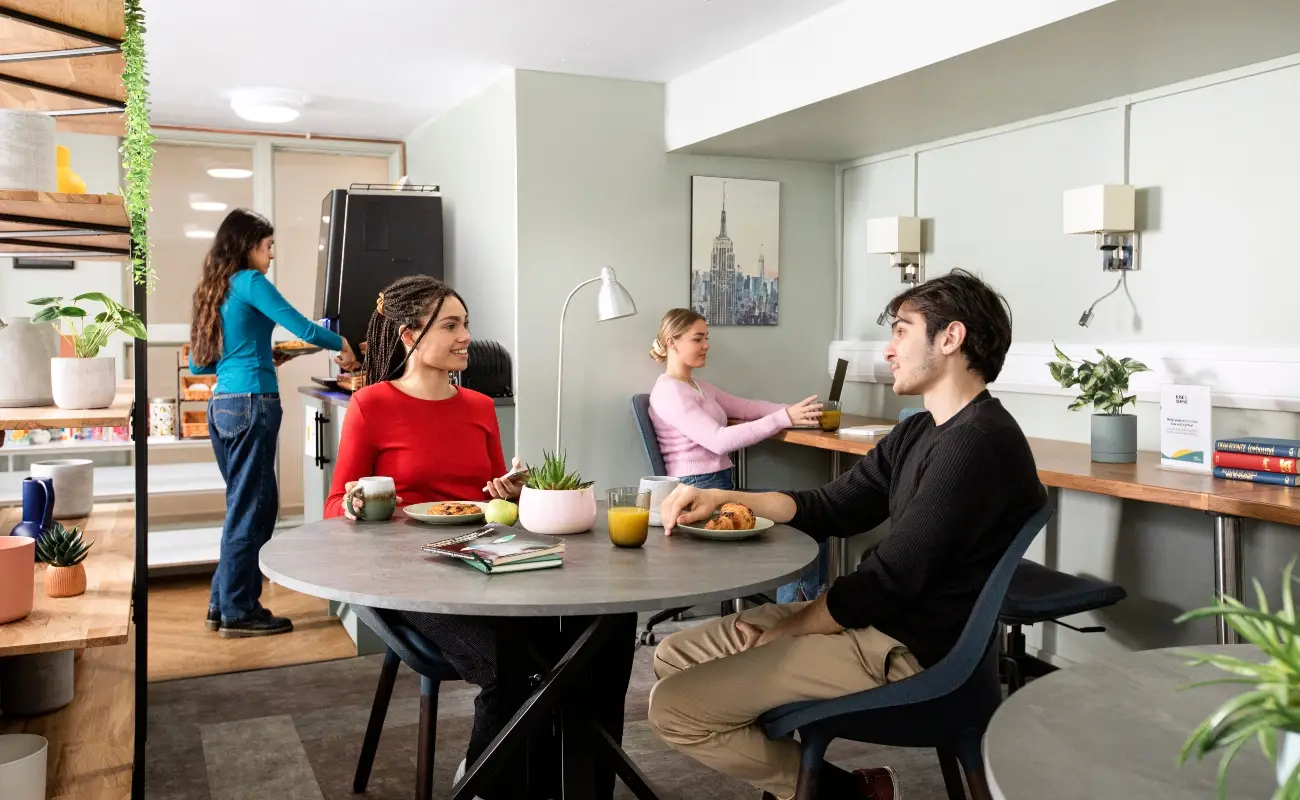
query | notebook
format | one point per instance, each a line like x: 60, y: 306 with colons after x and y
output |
x: 501, y: 548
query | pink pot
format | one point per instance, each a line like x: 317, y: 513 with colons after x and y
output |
x: 17, y: 576
x: 544, y: 511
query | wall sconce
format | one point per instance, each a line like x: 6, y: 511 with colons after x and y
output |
x: 900, y: 239
x: 1107, y: 211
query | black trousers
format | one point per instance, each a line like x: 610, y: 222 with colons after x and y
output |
x: 470, y: 645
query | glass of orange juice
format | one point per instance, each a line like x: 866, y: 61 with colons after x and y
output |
x: 830, y: 420
x: 629, y: 516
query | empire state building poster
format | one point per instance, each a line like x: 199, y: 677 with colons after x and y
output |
x: 735, y: 250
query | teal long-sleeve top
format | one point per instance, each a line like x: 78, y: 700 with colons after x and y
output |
x: 252, y: 309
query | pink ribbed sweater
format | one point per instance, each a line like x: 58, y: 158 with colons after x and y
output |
x: 692, y: 426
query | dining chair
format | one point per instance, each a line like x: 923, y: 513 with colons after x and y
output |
x: 946, y: 706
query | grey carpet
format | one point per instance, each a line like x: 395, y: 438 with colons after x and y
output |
x: 294, y: 733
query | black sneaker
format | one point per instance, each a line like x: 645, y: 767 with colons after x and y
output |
x: 213, y: 622
x: 256, y: 625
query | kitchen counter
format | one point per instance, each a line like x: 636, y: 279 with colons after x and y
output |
x: 341, y: 399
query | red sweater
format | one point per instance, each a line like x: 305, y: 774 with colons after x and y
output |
x: 432, y: 449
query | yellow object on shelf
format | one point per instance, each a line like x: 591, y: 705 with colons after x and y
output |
x: 69, y: 181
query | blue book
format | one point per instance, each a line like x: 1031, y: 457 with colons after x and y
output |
x: 1253, y: 476
x: 1260, y: 446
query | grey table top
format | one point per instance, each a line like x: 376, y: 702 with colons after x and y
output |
x: 381, y: 565
x: 1114, y: 728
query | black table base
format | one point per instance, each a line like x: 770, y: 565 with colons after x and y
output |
x: 558, y: 704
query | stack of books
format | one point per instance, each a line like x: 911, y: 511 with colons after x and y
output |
x: 1257, y: 460
x: 500, y: 548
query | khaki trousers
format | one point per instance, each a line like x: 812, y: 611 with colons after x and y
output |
x: 710, y: 694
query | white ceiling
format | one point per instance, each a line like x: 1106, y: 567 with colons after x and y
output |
x: 381, y: 68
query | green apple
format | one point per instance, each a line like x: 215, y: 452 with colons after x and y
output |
x: 501, y: 511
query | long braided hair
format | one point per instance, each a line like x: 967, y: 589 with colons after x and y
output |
x: 401, y: 305
x: 240, y: 233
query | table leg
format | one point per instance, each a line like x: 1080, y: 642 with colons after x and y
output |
x: 742, y: 468
x: 838, y: 547
x: 1227, y: 569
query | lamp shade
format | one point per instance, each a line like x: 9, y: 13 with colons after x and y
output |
x: 613, y: 301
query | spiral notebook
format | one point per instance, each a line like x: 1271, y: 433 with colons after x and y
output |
x: 500, y: 548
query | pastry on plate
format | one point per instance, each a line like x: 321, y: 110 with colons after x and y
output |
x: 453, y: 509
x: 732, y: 517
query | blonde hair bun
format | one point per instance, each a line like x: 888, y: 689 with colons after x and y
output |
x: 674, y: 324
x: 658, y: 352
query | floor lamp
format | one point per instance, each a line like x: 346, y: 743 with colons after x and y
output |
x: 612, y: 302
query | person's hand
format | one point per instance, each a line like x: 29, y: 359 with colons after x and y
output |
x: 686, y: 505
x: 753, y: 636
x: 354, y: 500
x: 507, y: 489
x: 346, y: 359
x: 805, y: 412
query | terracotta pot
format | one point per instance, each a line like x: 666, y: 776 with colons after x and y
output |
x: 65, y: 581
x: 17, y: 576
x: 557, y: 512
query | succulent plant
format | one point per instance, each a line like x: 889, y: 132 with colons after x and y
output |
x: 61, y: 547
x: 554, y: 476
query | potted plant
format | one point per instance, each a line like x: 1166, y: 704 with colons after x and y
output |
x: 87, y: 380
x: 64, y: 551
x: 1102, y: 385
x: 1269, y: 710
x: 555, y: 500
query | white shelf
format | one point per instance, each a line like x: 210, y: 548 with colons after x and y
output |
x: 188, y: 547
x: 155, y: 442
x: 118, y: 483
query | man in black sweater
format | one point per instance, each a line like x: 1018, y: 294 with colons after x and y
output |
x: 956, y: 485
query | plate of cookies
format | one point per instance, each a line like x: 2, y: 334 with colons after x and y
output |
x: 446, y: 512
x: 296, y: 347
x: 731, y: 522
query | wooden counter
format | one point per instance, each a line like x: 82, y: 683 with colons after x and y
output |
x: 101, y: 616
x: 116, y: 415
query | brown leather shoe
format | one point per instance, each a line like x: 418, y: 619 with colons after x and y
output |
x: 879, y: 783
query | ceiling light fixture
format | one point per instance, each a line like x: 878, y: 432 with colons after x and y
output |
x: 200, y: 234
x: 230, y: 172
x: 273, y: 106
x: 207, y: 205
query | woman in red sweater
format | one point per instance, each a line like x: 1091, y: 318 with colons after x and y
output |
x: 438, y: 442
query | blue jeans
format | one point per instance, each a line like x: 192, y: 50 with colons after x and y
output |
x: 244, y: 429
x: 809, y: 585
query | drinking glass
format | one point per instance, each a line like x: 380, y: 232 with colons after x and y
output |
x: 830, y: 420
x: 629, y: 516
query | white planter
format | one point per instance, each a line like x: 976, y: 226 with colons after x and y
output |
x: 28, y: 159
x: 25, y: 352
x: 1288, y: 753
x: 546, y: 511
x: 74, y: 485
x: 80, y: 383
x: 22, y: 766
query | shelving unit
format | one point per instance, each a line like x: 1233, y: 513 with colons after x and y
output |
x: 186, y: 418
x: 64, y: 58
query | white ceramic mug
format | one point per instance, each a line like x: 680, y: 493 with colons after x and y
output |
x: 22, y: 766
x: 74, y: 485
x: 380, y: 498
x: 659, y: 487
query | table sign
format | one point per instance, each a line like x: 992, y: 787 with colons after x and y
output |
x: 1186, y: 442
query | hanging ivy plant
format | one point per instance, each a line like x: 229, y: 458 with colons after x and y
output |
x: 137, y: 145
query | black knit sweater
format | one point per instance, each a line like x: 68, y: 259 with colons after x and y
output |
x: 955, y: 494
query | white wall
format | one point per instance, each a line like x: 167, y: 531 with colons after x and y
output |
x: 1217, y: 169
x: 596, y: 188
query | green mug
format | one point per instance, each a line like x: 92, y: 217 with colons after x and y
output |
x: 378, y: 499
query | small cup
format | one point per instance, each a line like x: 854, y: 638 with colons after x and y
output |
x: 659, y: 487
x: 380, y: 498
x: 629, y: 516
x: 830, y: 420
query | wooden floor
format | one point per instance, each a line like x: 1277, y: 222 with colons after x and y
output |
x: 181, y: 647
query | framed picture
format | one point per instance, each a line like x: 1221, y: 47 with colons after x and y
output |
x: 43, y: 263
x: 736, y: 250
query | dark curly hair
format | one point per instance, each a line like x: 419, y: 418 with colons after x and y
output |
x: 961, y: 297
x: 402, y: 304
x: 240, y: 233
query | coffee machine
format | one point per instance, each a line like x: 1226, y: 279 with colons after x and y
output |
x: 371, y: 235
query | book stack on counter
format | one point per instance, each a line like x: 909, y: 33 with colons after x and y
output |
x: 1257, y: 460
x: 497, y: 548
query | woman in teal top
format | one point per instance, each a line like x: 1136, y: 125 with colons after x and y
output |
x: 235, y: 310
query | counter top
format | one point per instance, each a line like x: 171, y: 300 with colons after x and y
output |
x: 341, y: 399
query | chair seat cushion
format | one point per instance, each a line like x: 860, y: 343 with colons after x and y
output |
x: 1040, y: 593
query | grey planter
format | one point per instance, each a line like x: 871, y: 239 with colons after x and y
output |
x: 1114, y: 438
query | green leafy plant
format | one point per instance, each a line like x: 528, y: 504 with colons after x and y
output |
x: 553, y: 475
x: 88, y: 338
x: 1102, y: 383
x: 1272, y: 704
x: 62, y: 547
x: 137, y: 144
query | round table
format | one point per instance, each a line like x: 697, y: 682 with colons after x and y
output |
x: 1114, y: 728
x: 381, y: 565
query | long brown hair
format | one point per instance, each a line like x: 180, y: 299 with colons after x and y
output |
x: 402, y: 304
x: 240, y: 233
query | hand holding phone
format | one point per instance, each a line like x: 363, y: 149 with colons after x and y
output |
x: 517, y: 475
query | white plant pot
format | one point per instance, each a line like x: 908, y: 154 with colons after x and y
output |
x: 74, y: 485
x: 1288, y: 753
x: 25, y: 352
x: 22, y: 766
x: 557, y: 512
x: 80, y: 383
